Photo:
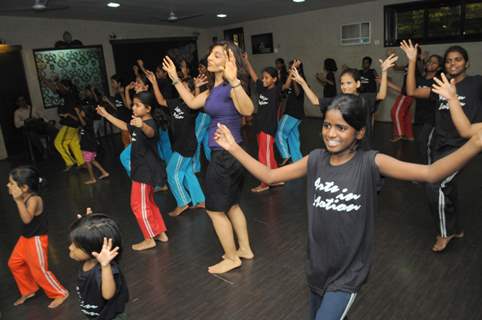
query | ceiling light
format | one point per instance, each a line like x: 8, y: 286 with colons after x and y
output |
x: 113, y: 5
x: 221, y: 15
x: 298, y: 1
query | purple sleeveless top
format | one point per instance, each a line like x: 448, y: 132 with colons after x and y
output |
x: 220, y: 107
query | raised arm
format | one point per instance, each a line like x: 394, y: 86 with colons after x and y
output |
x: 199, y: 81
x: 104, y: 258
x: 411, y: 85
x: 127, y: 95
x: 294, y: 74
x: 249, y: 67
x: 435, y: 172
x: 385, y: 65
x: 80, y: 115
x: 26, y: 211
x: 116, y: 122
x: 155, y: 87
x: 447, y: 89
x: 193, y: 102
x: 292, y: 171
x: 242, y: 102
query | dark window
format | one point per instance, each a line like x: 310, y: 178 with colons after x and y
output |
x: 434, y: 22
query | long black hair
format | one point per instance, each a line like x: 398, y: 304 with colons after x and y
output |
x: 88, y: 233
x: 242, y: 72
x: 27, y: 176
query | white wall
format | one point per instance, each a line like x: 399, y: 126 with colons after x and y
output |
x: 314, y: 36
x: 35, y: 33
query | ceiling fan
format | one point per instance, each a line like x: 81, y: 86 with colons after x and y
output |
x: 38, y: 6
x: 172, y: 17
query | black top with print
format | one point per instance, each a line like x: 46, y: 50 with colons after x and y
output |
x: 266, y: 117
x: 183, y: 119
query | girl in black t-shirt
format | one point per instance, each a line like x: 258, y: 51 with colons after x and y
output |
x: 342, y: 186
x: 445, y: 138
x: 101, y: 287
x: 425, y: 107
x: 288, y: 134
x: 349, y: 84
x: 29, y: 260
x: 182, y: 181
x: 88, y: 144
x: 147, y: 170
x: 268, y: 90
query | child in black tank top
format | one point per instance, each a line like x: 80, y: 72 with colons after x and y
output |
x: 28, y: 261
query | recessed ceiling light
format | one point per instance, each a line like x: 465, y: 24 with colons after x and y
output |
x: 298, y: 0
x: 113, y: 5
x: 221, y: 15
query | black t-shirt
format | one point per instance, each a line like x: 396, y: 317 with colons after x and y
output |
x: 368, y: 80
x: 123, y: 113
x: 329, y: 90
x: 469, y: 92
x: 146, y: 166
x: 70, y: 102
x: 89, y: 291
x: 266, y: 117
x: 425, y: 108
x: 341, y: 201
x: 168, y: 91
x: 88, y: 141
x: 295, y: 104
x: 183, y: 120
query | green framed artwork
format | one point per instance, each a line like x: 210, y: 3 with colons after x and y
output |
x: 84, y: 66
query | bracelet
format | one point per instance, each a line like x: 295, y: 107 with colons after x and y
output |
x: 175, y: 82
x: 236, y: 85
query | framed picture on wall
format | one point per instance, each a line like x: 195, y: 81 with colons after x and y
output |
x: 262, y: 43
x: 84, y: 66
x: 236, y: 36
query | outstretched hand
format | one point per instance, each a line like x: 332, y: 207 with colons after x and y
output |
x: 107, y: 254
x: 230, y: 70
x: 136, y: 122
x: 150, y: 76
x: 409, y: 49
x: 295, y: 75
x: 388, y: 63
x: 169, y: 66
x: 101, y: 111
x: 200, y: 80
x: 444, y: 87
x: 224, y: 137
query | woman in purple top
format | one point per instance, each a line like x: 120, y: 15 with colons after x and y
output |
x: 226, y: 102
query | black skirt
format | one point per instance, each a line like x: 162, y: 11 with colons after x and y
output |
x: 224, y: 181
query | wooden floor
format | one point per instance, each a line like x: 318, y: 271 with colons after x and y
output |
x: 407, y: 281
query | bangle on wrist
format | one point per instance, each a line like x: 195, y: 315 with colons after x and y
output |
x: 236, y: 85
x: 175, y: 82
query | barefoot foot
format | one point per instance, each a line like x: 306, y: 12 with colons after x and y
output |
x: 442, y: 242
x: 225, y: 266
x: 144, y: 245
x: 201, y: 205
x: 58, y: 301
x: 178, y: 211
x: 91, y: 181
x: 22, y: 299
x: 162, y: 237
x: 260, y: 188
x: 104, y: 176
x: 246, y: 254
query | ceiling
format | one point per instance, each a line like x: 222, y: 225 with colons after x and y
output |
x: 157, y: 11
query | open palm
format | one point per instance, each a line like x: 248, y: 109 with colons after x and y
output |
x: 107, y: 254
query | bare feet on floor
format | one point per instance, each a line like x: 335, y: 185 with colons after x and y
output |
x: 162, y: 237
x: 442, y: 242
x: 225, y: 265
x: 260, y: 188
x: 246, y: 254
x: 22, y: 299
x: 144, y: 245
x: 58, y: 301
x: 91, y: 181
x: 104, y: 176
x: 277, y: 184
x: 201, y: 205
x: 178, y: 211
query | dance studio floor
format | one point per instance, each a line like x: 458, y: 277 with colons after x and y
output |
x: 407, y: 280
